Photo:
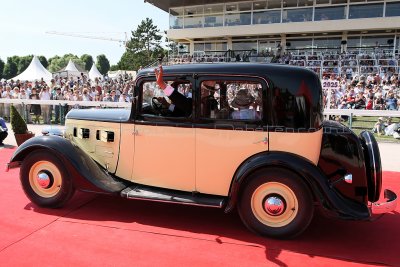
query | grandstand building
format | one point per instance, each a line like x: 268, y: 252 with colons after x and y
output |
x: 315, y: 33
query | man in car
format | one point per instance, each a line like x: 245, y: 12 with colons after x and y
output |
x: 181, y: 105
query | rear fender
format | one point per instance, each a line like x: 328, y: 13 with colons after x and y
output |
x: 87, y: 175
x: 330, y: 199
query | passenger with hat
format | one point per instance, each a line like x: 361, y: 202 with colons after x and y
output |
x: 243, y: 100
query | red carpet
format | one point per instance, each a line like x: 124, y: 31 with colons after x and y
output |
x: 95, y: 230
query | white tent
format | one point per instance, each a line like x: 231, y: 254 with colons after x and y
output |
x: 35, y: 71
x: 94, y: 73
x: 115, y: 74
x: 71, y: 70
x: 71, y: 67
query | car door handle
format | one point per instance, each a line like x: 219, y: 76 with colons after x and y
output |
x: 135, y: 132
x: 265, y: 141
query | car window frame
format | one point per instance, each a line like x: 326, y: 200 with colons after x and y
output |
x: 161, y: 120
x: 236, y: 122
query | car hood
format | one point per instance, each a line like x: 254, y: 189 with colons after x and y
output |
x: 108, y: 115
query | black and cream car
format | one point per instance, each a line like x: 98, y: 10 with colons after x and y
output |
x: 254, y: 140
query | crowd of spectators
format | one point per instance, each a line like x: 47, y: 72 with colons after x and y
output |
x: 347, y: 89
x: 71, y: 89
x: 362, y: 92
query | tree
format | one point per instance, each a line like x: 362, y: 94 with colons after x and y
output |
x: 114, y: 67
x: 57, y: 63
x: 172, y: 46
x: 23, y: 62
x: 44, y: 62
x: 10, y: 69
x: 87, y: 60
x: 103, y: 65
x: 1, y: 68
x: 143, y: 48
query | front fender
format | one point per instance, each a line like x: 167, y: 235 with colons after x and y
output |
x: 330, y: 199
x: 87, y: 175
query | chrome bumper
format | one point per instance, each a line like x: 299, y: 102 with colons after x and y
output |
x: 384, y: 207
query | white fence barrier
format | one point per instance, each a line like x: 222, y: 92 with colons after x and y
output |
x: 100, y: 104
x: 67, y: 102
x: 362, y: 112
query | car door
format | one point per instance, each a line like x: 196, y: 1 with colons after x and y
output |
x: 227, y: 136
x: 164, y: 144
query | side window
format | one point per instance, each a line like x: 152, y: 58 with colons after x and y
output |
x: 156, y: 103
x: 231, y: 100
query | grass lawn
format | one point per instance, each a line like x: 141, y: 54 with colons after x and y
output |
x: 367, y: 123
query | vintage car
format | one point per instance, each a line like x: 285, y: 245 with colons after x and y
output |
x: 250, y: 137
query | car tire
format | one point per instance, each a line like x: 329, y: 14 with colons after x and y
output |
x: 45, y: 180
x: 276, y: 203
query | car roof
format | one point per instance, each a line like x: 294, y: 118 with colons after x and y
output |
x: 256, y: 69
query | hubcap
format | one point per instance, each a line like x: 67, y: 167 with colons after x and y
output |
x: 274, y: 205
x: 43, y: 179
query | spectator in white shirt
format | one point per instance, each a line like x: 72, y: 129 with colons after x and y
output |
x: 45, y: 95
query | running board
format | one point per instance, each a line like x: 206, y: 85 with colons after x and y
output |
x: 173, y: 196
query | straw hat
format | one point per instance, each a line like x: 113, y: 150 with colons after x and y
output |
x: 242, y: 99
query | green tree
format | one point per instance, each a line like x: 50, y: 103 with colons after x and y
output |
x: 103, y: 65
x: 23, y: 62
x: 143, y: 48
x: 53, y: 58
x: 87, y: 60
x: 1, y: 68
x: 58, y: 63
x: 44, y: 62
x: 114, y: 67
x: 172, y: 47
x: 10, y: 69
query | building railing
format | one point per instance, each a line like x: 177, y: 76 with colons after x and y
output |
x: 322, y: 64
x: 281, y: 13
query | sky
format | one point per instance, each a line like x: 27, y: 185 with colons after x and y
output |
x: 24, y: 24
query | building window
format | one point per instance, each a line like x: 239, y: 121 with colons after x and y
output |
x: 244, y: 46
x: 214, y: 9
x: 330, y: 13
x: 175, y: 22
x: 244, y: 6
x: 274, y: 4
x: 194, y: 22
x: 392, y: 9
x: 322, y: 2
x: 299, y: 43
x: 297, y: 15
x: 213, y: 20
x: 267, y: 17
x: 376, y: 41
x: 194, y: 10
x: 365, y: 11
x: 353, y: 42
x: 327, y: 43
x: 290, y: 3
x: 213, y: 16
x: 259, y: 5
x: 234, y: 19
x: 176, y: 18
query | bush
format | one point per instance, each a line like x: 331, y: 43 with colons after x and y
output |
x: 18, y: 124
